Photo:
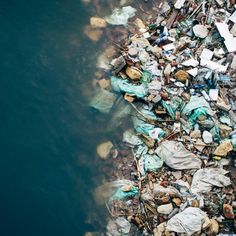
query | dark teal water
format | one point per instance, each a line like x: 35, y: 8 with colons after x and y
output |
x: 47, y: 133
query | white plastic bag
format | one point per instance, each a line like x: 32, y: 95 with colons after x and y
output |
x: 188, y: 222
x: 177, y: 156
x: 204, y: 179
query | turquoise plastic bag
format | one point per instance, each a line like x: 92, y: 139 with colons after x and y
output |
x: 121, y: 194
x: 120, y: 85
x: 152, y: 163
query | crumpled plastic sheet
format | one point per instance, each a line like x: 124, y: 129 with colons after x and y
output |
x: 195, y: 103
x: 205, y: 179
x: 118, y: 227
x: 152, y: 163
x: 103, y: 100
x: 188, y: 222
x: 130, y: 138
x: 141, y: 126
x: 104, y: 192
x: 170, y: 190
x: 120, y: 85
x: 122, y: 193
x: 121, y: 16
x: 177, y: 156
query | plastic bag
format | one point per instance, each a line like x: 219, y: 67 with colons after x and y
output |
x: 188, y: 222
x: 120, y: 111
x: 118, y: 227
x: 130, y: 138
x: 120, y: 85
x: 141, y: 126
x: 125, y: 192
x: 177, y: 156
x: 195, y: 103
x: 104, y: 192
x: 205, y: 179
x: 103, y: 100
x: 121, y: 16
x: 152, y: 163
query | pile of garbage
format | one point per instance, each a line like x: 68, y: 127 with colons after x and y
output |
x: 175, y: 170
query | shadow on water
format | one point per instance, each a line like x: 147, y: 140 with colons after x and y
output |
x: 47, y: 133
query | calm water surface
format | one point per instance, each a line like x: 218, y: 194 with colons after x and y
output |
x: 47, y: 133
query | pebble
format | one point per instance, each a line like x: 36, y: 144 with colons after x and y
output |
x: 165, y: 209
x: 224, y: 148
x: 97, y: 22
x: 181, y: 75
x: 133, y: 73
x: 207, y: 137
x: 200, y: 31
x: 228, y: 211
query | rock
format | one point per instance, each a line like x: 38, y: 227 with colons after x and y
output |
x: 133, y: 73
x: 233, y: 30
x: 139, y: 23
x: 182, y: 76
x: 200, y: 31
x: 177, y: 174
x: 129, y: 98
x: 92, y: 33
x: 228, y: 211
x: 97, y: 22
x: 225, y: 131
x: 165, y: 209
x: 88, y: 234
x: 207, y: 137
x: 177, y: 201
x: 195, y: 134
x: 133, y: 52
x: 156, y: 51
x: 195, y: 203
x: 224, y: 148
x: 199, y: 145
x: 222, y: 105
x: 167, y: 70
x: 160, y: 229
x: 103, y: 83
x: 206, y: 224
x: 213, y: 228
x: 118, y: 64
x: 104, y: 149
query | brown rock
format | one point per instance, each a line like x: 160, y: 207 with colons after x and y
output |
x: 139, y: 23
x: 224, y: 148
x: 181, y: 75
x: 93, y: 34
x: 103, y: 83
x: 97, y: 22
x: 228, y: 211
x: 177, y: 201
x: 156, y: 51
x: 195, y: 134
x: 225, y: 131
x: 195, y: 203
x: 129, y: 98
x: 104, y: 149
x: 213, y: 228
x: 133, y: 73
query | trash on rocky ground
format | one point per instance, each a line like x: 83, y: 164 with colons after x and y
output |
x: 174, y: 169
